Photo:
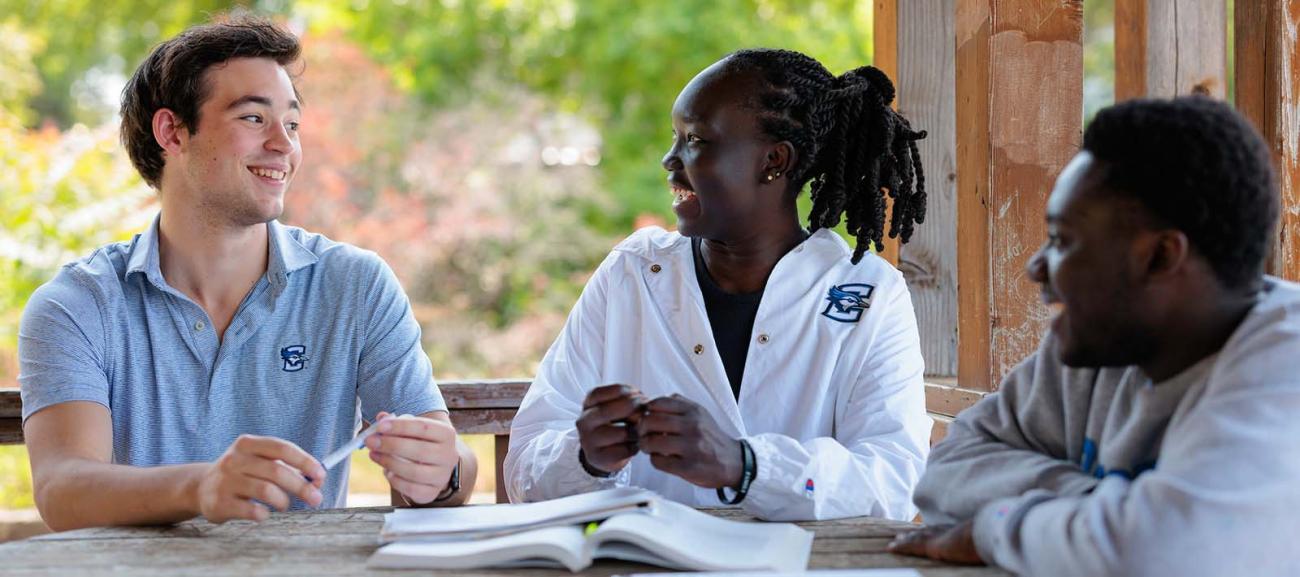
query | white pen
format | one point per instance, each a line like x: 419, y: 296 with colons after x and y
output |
x: 338, y: 455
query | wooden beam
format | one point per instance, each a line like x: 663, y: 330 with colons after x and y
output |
x: 1267, y: 75
x: 1019, y: 112
x: 927, y: 97
x: 1166, y: 48
x: 885, y: 57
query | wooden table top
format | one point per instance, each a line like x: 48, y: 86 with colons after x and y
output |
x: 338, y: 542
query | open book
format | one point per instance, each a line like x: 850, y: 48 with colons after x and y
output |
x: 477, y: 522
x: 667, y: 534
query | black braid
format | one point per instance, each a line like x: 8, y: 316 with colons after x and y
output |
x: 853, y: 148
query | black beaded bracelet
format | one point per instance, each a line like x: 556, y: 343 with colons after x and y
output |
x: 747, y: 474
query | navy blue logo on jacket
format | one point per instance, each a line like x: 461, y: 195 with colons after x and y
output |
x: 848, y: 301
x: 295, y: 358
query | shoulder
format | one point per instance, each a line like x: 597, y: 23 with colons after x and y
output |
x: 873, y: 277
x: 341, y: 263
x: 1262, y: 348
x: 82, y: 289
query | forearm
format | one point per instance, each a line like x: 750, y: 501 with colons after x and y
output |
x: 83, y: 493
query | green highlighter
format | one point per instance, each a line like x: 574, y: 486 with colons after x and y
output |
x: 591, y: 528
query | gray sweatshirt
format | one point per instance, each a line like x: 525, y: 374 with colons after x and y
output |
x: 1102, y: 472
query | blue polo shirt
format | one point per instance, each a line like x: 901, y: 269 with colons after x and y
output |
x: 325, y: 338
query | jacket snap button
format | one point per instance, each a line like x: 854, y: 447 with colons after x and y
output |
x: 699, y: 349
x: 655, y: 268
x: 762, y: 339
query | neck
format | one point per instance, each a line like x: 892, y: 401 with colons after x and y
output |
x: 742, y: 265
x: 1196, y: 333
x: 215, y: 264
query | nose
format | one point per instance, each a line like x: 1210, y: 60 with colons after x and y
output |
x: 279, y: 138
x: 1037, y: 266
x: 671, y: 161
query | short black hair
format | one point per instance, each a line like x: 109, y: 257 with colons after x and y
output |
x: 1196, y: 165
x: 172, y: 77
x: 854, y: 148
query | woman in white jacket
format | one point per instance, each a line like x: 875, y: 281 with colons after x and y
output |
x: 745, y: 360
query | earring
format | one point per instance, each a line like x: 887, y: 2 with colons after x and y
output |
x: 769, y: 178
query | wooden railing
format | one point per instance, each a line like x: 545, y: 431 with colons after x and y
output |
x: 487, y: 407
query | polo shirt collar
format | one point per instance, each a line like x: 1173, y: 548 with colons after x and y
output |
x: 285, y: 256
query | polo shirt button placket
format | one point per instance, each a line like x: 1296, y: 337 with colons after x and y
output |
x: 198, y: 325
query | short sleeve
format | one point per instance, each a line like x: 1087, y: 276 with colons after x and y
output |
x: 61, y: 345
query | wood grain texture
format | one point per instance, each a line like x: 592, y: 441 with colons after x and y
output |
x: 885, y: 48
x: 1020, y: 97
x: 338, y: 542
x: 1267, y: 76
x: 927, y: 96
x: 1166, y: 48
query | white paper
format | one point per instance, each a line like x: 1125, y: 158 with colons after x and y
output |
x: 485, y: 520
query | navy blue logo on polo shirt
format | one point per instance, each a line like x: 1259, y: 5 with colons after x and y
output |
x: 848, y: 301
x: 295, y: 358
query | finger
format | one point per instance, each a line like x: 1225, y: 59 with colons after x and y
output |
x: 273, y: 448
x: 262, y: 490
x: 231, y: 508
x: 621, y: 409
x: 664, y: 423
x: 913, y: 542
x: 612, y: 434
x: 608, y: 393
x: 407, y: 469
x: 285, y: 477
x: 667, y: 463
x: 666, y: 445
x: 417, y: 450
x: 420, y: 493
x: 675, y: 404
x: 418, y: 428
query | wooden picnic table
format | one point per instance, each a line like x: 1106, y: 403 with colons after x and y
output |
x: 338, y: 542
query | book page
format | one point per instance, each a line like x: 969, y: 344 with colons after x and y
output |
x: 687, y: 538
x: 547, y: 547
x: 507, y: 518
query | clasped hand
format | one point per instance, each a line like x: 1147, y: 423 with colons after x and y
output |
x: 681, y: 438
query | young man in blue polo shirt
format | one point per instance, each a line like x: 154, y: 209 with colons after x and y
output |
x: 205, y: 366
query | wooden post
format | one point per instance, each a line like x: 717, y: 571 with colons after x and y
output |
x: 1019, y: 115
x: 885, y: 31
x: 927, y: 97
x: 1267, y: 77
x: 1166, y: 48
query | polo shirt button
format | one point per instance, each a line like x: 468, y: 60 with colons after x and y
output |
x: 763, y: 338
x: 655, y: 268
x: 198, y: 325
x: 699, y: 349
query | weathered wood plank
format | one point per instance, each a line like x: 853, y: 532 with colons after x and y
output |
x: 1166, y: 48
x: 885, y: 39
x: 338, y: 542
x: 484, y: 394
x: 949, y: 400
x: 927, y: 96
x: 1267, y: 77
x: 1020, y: 96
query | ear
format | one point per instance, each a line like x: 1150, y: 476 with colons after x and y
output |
x: 781, y: 157
x: 1167, y: 253
x: 169, y: 132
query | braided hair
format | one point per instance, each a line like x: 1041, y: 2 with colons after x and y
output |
x: 852, y: 146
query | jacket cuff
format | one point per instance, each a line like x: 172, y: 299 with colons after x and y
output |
x: 997, y: 527
x: 779, y: 489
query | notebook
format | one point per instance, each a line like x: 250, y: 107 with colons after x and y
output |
x: 666, y: 534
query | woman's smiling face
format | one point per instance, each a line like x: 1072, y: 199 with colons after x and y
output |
x: 718, y: 157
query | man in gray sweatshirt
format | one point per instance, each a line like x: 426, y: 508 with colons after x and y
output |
x: 1155, y: 431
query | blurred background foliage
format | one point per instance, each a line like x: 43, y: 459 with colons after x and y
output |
x: 492, y: 151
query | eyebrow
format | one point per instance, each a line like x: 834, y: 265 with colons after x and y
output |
x: 254, y: 99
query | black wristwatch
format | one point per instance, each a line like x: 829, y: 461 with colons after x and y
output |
x: 453, y: 485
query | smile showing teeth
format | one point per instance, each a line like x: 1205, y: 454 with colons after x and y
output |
x: 681, y: 195
x: 277, y: 175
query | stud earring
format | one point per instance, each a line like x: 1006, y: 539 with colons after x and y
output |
x: 769, y: 178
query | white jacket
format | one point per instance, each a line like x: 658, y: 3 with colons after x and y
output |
x: 832, y: 398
